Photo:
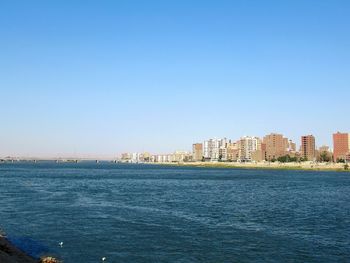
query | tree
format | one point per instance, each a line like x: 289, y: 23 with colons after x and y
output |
x: 346, y: 167
x: 286, y: 159
x: 303, y: 159
x: 324, y: 157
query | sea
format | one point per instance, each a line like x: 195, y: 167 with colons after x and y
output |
x: 153, y: 213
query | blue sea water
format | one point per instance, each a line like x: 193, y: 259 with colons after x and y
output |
x: 146, y: 213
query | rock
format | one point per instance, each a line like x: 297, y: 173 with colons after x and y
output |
x: 49, y: 260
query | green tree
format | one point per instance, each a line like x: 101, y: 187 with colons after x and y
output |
x: 303, y: 159
x: 324, y: 157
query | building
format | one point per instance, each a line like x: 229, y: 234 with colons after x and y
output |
x: 181, y: 156
x: 136, y: 157
x: 162, y: 158
x: 260, y: 154
x: 223, y: 153
x: 341, y: 145
x: 211, y: 149
x: 308, y: 147
x: 197, y: 152
x: 125, y: 157
x: 276, y: 146
x: 232, y: 151
x: 248, y: 145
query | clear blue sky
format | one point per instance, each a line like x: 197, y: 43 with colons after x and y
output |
x: 104, y: 77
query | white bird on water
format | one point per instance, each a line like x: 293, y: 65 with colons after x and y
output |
x: 61, y: 244
x: 103, y: 259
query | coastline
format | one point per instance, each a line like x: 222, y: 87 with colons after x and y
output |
x: 305, y: 166
x: 9, y: 253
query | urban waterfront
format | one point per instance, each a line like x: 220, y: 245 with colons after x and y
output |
x: 148, y: 213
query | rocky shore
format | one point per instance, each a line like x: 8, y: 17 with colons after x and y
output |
x: 10, y: 254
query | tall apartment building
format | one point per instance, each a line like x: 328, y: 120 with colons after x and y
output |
x: 248, y: 145
x: 232, y: 151
x: 136, y: 157
x: 276, y: 145
x: 223, y: 153
x: 308, y: 147
x: 341, y: 145
x: 291, y: 146
x: 197, y: 152
x: 260, y: 154
x: 211, y: 148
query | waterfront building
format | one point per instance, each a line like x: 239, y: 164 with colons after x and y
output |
x: 341, y: 145
x: 276, y: 146
x: 308, y: 147
x: 260, y: 154
x: 197, y: 152
x: 291, y: 146
x: 248, y: 145
x: 125, y: 157
x: 136, y: 158
x: 163, y: 158
x: 181, y: 156
x: 211, y: 148
x: 232, y: 151
x: 223, y: 153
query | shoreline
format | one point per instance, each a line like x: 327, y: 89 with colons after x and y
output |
x: 330, y: 167
x: 302, y: 166
x: 11, y: 254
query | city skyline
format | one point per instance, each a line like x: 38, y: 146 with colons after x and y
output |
x: 267, y: 147
x: 98, y: 79
x: 272, y: 147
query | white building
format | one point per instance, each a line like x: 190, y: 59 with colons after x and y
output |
x: 213, y: 148
x: 247, y: 145
x: 136, y: 157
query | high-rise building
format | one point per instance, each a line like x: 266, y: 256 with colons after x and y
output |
x: 260, y: 154
x: 136, y: 157
x: 308, y: 147
x: 197, y: 151
x: 276, y: 146
x: 248, y: 145
x: 291, y: 147
x: 211, y: 148
x: 341, y: 144
x: 223, y: 153
x: 232, y: 151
